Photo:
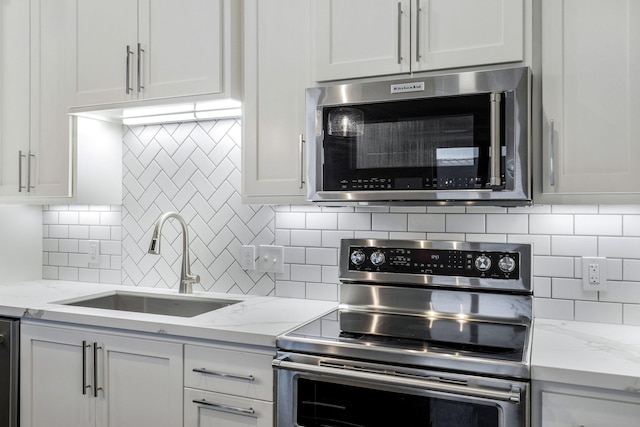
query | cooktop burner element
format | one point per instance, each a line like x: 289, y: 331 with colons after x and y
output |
x: 456, y: 306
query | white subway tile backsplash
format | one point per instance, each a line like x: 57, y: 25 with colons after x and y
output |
x: 571, y: 289
x: 548, y: 266
x: 306, y: 238
x: 619, y: 247
x: 542, y: 287
x: 322, y: 256
x: 353, y: 221
x: 193, y: 168
x: 465, y: 223
x: 508, y: 223
x: 577, y: 246
x: 598, y: 312
x: 561, y: 309
x: 426, y: 222
x: 306, y: 273
x: 290, y: 220
x: 551, y: 224
x: 389, y: 221
x: 332, y: 239
x: 601, y: 225
x: 631, y: 225
x: 321, y: 291
x: 322, y: 221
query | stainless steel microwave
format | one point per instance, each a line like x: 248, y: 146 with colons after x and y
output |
x: 448, y: 139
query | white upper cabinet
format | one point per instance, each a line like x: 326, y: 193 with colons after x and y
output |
x: 591, y: 101
x: 137, y: 50
x: 276, y: 74
x: 361, y: 38
x: 35, y: 149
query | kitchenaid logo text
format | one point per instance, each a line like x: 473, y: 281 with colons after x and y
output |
x: 407, y: 87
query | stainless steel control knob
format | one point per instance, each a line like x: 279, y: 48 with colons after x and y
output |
x: 377, y: 258
x: 483, y: 263
x: 358, y: 257
x: 507, y: 264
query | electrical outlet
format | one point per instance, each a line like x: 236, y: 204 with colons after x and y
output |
x: 93, y: 250
x: 248, y: 257
x: 594, y: 274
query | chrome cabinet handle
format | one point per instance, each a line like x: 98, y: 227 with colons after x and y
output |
x: 85, y: 386
x: 127, y: 83
x: 399, y: 33
x: 140, y: 52
x: 27, y: 156
x: 249, y: 412
x: 96, y: 388
x: 20, y: 156
x: 224, y: 374
x: 496, y: 154
x: 29, y: 159
x: 301, y: 142
x: 552, y: 153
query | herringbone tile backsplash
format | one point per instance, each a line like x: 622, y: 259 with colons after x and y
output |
x: 190, y: 168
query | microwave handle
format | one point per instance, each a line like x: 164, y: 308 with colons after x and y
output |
x: 399, y: 33
x: 495, y: 179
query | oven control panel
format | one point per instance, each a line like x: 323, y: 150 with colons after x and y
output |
x: 441, y: 262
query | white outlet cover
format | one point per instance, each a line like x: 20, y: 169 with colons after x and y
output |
x: 602, y: 266
x: 271, y: 259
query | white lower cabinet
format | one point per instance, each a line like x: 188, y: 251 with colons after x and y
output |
x: 227, y: 387
x: 564, y: 410
x: 77, y: 377
x: 568, y: 405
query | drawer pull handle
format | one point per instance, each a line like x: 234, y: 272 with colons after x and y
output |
x: 224, y: 375
x: 249, y: 412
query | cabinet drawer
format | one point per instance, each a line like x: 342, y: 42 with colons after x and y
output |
x: 204, y: 408
x: 234, y: 372
x: 559, y: 410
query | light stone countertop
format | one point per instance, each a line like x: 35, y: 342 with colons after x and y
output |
x: 254, y: 321
x: 586, y: 354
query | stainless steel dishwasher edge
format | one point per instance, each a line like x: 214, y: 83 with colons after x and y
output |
x: 9, y: 371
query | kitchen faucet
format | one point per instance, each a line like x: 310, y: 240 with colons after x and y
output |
x: 186, y: 278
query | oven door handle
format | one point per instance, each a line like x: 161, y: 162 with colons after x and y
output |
x: 512, y: 395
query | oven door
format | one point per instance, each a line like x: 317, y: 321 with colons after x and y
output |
x: 325, y: 392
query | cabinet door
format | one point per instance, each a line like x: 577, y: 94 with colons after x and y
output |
x: 277, y: 72
x: 361, y: 38
x: 562, y: 410
x: 459, y: 33
x: 183, y: 47
x: 52, y: 378
x: 50, y: 130
x: 101, y: 32
x: 141, y: 382
x: 14, y: 90
x: 208, y: 409
x: 591, y: 99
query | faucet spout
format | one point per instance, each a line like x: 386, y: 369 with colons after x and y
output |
x: 186, y: 278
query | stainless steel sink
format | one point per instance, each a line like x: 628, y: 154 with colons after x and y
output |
x: 154, y: 304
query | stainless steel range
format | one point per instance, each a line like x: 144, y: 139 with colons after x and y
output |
x: 427, y: 334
